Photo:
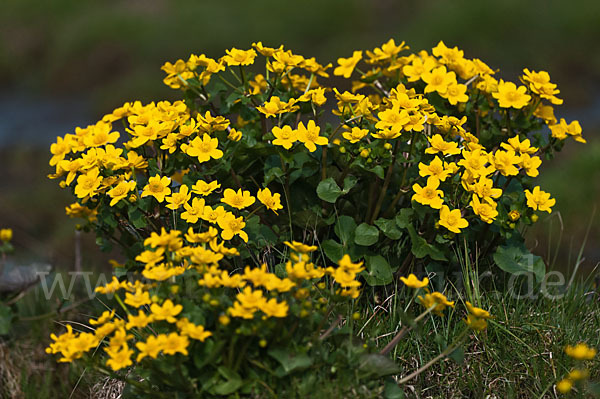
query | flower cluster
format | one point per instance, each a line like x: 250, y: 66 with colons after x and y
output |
x: 579, y: 375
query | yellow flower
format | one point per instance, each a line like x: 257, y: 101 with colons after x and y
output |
x: 6, y: 235
x: 176, y: 200
x: 393, y: 119
x: 413, y: 282
x: 239, y: 57
x: 580, y: 351
x: 139, y: 321
x: 485, y: 210
x: 438, y: 80
x: 508, y: 95
x: 347, y: 65
x: 564, y: 386
x: 539, y: 200
x: 138, y: 299
x: 59, y: 150
x: 204, y: 149
x: 418, y: 67
x: 530, y: 164
x: 439, y: 145
x: 275, y: 107
x: 456, y: 93
x: 88, y: 184
x: 435, y: 169
x: 119, y: 357
x: 151, y: 347
x: 429, y: 195
x: 437, y: 300
x: 121, y: 191
x: 212, y: 215
x: 355, y: 134
x: 285, y: 136
x: 452, y: 219
x: 232, y: 226
x: 167, y: 311
x: 203, y: 188
x: 515, y: 144
x: 157, y: 187
x: 271, y: 201
x: 193, y: 212
x: 240, y: 199
x: 505, y: 161
x: 309, y: 136
x: 476, y: 323
x: 514, y: 215
x: 272, y: 308
x: 300, y: 247
x: 192, y: 330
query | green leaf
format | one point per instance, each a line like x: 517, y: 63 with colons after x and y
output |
x: 366, y: 235
x: 136, y: 217
x: 388, y: 227
x: 334, y: 250
x: 421, y: 248
x: 328, y: 190
x: 344, y: 229
x: 349, y: 183
x: 232, y: 382
x: 5, y: 319
x: 458, y: 355
x: 378, y: 170
x: 517, y: 260
x: 290, y: 361
x: 403, y: 217
x: 376, y: 365
x: 392, y: 390
x: 378, y: 271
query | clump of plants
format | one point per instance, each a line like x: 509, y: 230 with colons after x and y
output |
x: 251, y: 212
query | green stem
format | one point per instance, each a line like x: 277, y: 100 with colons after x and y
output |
x: 386, y: 184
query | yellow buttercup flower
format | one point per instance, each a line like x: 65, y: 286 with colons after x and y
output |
x: 138, y: 299
x: 275, y: 107
x: 505, y: 162
x: 192, y: 330
x: 452, y: 219
x: 437, y: 300
x: 509, y: 96
x: 204, y: 149
x: 439, y: 145
x: 239, y: 57
x: 6, y: 235
x: 285, y: 136
x: 346, y: 65
x: 121, y: 191
x: 413, y: 282
x: 167, y: 311
x: 271, y: 201
x: 151, y: 347
x: 355, y: 134
x: 438, y: 79
x: 486, y: 209
x: 238, y: 199
x: 272, y: 308
x: 539, y: 200
x: 203, y: 188
x: 580, y: 351
x: 176, y: 200
x: 232, y: 226
x: 429, y: 195
x: 158, y: 187
x: 88, y: 184
x: 194, y: 211
x: 119, y: 357
x: 309, y: 135
x: 435, y: 169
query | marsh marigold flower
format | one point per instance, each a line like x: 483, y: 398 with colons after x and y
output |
x: 271, y: 201
x: 452, y: 219
x: 285, y: 137
x: 413, y: 282
x: 580, y: 351
x: 204, y: 149
x: 429, y: 195
x: 347, y: 65
x: 509, y: 96
x: 309, y: 135
x: 158, y: 187
x: 539, y: 200
x: 238, y: 199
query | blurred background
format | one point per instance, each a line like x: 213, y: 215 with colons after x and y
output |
x: 65, y: 63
